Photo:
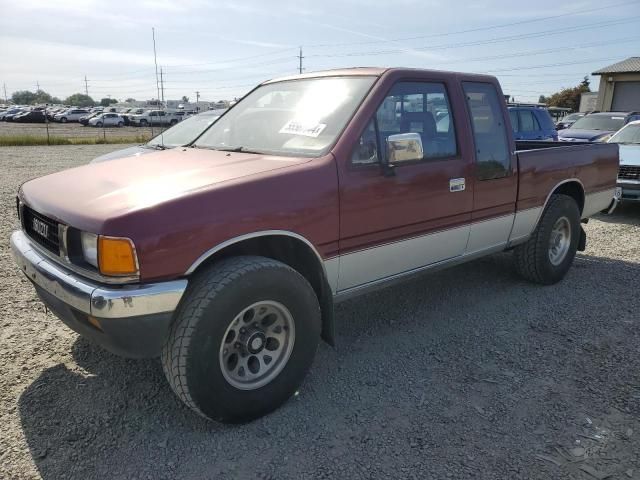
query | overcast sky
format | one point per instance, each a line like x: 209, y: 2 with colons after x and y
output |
x: 221, y: 48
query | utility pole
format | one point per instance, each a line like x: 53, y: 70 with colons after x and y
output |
x: 198, y: 101
x: 155, y: 59
x: 162, y: 85
x: 4, y: 85
x: 86, y: 86
x: 37, y: 86
x: 300, y: 57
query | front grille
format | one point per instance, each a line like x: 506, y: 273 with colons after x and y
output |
x: 41, y: 229
x: 629, y: 172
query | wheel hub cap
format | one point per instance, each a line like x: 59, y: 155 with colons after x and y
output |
x: 257, y: 345
x: 559, y: 241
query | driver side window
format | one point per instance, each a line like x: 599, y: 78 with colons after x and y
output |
x: 410, y: 107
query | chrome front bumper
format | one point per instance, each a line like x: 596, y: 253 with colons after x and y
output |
x: 92, y: 298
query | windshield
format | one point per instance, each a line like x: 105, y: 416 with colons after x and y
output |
x: 184, y: 132
x: 629, y: 134
x: 295, y: 117
x: 599, y: 122
x: 572, y: 117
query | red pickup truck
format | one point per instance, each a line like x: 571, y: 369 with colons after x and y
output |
x: 225, y: 258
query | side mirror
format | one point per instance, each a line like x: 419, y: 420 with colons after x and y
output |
x: 404, y: 147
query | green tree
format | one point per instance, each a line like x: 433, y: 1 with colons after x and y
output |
x: 569, y: 97
x: 185, y: 99
x: 130, y: 100
x: 25, y: 97
x: 80, y: 100
x: 542, y: 99
x: 105, y: 102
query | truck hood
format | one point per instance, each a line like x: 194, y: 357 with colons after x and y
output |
x: 87, y: 196
x: 577, y: 135
x: 125, y: 152
x: 629, y: 154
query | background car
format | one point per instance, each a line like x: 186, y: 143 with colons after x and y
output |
x: 8, y: 115
x: 34, y: 116
x: 71, y: 115
x: 84, y: 120
x: 154, y: 117
x: 569, y: 120
x: 182, y: 134
x: 532, y: 123
x: 597, y: 127
x: 126, y: 115
x: 107, y: 120
x: 628, y: 139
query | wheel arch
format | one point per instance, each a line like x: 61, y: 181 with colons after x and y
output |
x: 289, y: 248
x: 572, y: 188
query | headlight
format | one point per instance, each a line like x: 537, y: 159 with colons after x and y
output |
x: 113, y: 256
x: 89, y: 243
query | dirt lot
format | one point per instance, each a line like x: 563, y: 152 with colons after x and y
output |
x: 74, y: 130
x: 467, y: 373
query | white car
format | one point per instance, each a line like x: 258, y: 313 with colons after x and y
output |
x: 154, y: 117
x: 628, y: 138
x: 71, y: 115
x: 107, y: 120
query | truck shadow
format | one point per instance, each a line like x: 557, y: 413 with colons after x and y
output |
x: 409, y: 358
x: 627, y: 213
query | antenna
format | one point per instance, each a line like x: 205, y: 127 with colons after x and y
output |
x: 300, y: 57
x: 162, y: 85
x: 155, y: 58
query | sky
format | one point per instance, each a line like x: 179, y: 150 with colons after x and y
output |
x: 223, y: 48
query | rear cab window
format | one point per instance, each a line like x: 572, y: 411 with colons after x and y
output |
x: 489, y: 133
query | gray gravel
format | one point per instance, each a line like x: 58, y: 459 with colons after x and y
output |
x: 467, y: 373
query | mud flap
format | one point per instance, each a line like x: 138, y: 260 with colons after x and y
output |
x: 582, y: 242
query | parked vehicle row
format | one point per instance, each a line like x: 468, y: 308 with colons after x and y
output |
x: 96, y: 116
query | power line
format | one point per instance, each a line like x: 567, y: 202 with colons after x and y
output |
x: 531, y: 67
x: 494, y: 40
x: 479, y: 29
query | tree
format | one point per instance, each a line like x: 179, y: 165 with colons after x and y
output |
x: 80, y: 100
x: 542, y: 99
x: 25, y: 97
x: 130, y: 100
x: 185, y: 99
x: 105, y: 102
x: 569, y: 97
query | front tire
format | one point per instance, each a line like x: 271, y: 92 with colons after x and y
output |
x: 243, y: 339
x: 548, y: 254
x: 63, y: 120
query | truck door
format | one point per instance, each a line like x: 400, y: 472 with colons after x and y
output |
x: 396, y: 221
x: 495, y: 179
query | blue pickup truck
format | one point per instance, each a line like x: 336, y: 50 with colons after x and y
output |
x: 532, y: 122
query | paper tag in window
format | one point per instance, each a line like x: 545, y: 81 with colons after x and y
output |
x: 294, y: 127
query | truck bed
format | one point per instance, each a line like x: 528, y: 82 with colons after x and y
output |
x: 545, y: 165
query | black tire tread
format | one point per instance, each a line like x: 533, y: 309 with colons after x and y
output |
x: 528, y: 255
x: 202, y: 292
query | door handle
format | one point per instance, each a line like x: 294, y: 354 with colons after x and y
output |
x: 457, y: 185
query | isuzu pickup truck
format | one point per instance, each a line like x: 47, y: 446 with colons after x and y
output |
x: 225, y: 258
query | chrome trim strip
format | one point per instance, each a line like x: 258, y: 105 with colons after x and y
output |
x: 90, y: 298
x: 386, y: 260
x: 416, y: 272
x: 248, y: 236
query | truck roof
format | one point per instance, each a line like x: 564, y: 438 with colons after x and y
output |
x: 374, y: 71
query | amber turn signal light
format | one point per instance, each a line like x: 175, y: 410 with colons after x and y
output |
x: 117, y: 256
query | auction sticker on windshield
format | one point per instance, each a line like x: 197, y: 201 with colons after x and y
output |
x: 295, y: 127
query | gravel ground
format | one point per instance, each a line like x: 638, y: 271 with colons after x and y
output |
x: 73, y: 130
x: 466, y: 373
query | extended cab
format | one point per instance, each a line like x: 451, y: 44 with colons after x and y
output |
x: 226, y: 258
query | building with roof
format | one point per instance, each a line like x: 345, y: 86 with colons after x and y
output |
x: 619, y: 86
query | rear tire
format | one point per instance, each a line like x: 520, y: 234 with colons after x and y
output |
x: 63, y: 119
x: 548, y: 254
x: 120, y: 124
x: 143, y: 123
x: 250, y: 313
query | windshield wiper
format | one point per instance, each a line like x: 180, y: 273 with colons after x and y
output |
x: 238, y: 150
x: 156, y: 146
